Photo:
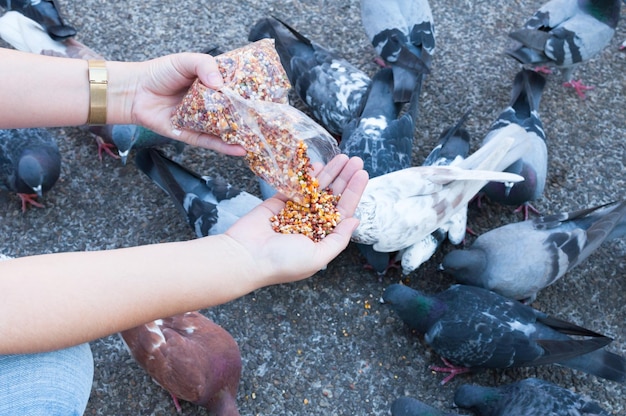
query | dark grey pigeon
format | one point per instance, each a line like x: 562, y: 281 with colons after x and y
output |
x: 564, y: 34
x: 473, y: 328
x: 383, y: 138
x: 125, y: 137
x: 210, y: 204
x: 408, y: 406
x: 452, y: 148
x: 403, y: 34
x: 525, y: 397
x: 533, y: 165
x: 519, y: 259
x: 30, y: 163
x: 331, y: 87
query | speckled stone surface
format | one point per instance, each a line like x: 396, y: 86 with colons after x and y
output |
x: 325, y: 346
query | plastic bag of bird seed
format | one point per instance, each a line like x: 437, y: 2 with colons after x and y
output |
x: 252, y: 110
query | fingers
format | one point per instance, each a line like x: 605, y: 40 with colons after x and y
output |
x: 351, y: 168
x: 338, y: 172
x: 352, y: 193
x: 192, y: 65
x: 346, y: 177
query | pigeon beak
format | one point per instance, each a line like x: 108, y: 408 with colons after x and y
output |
x: 123, y: 156
x: 440, y: 267
x: 38, y: 191
x: 381, y: 300
x: 507, y: 188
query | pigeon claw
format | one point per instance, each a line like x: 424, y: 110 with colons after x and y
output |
x: 29, y: 199
x: 381, y: 62
x: 542, y: 70
x: 579, y: 87
x: 526, y: 208
x: 105, y: 147
x: 179, y: 409
x: 449, y: 368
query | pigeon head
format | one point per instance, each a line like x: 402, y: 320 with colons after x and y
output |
x: 36, y: 172
x: 30, y: 172
x: 413, y: 307
x: 606, y: 11
x: 466, y: 266
x: 124, y: 136
x: 477, y: 398
x: 519, y: 193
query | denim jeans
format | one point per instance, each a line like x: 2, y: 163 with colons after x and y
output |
x: 56, y: 383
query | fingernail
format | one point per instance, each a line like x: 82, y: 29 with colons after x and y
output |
x: 215, y: 80
x: 176, y: 132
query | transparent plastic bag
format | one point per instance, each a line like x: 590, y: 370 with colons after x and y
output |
x: 252, y: 110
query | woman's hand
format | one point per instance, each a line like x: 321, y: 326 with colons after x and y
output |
x: 161, y: 86
x: 277, y: 258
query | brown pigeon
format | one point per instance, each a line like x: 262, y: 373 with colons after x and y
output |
x: 191, y: 357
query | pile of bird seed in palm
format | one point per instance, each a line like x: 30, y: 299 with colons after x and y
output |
x: 316, y: 215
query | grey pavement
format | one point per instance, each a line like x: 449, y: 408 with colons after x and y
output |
x: 325, y: 346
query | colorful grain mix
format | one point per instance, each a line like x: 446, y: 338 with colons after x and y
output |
x: 316, y: 215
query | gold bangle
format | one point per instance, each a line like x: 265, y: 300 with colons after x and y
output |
x: 97, y: 92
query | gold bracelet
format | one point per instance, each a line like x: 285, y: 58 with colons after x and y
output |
x: 97, y: 92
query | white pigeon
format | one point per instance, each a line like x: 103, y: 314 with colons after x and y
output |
x: 402, y: 208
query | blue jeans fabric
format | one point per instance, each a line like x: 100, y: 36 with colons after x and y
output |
x: 56, y: 383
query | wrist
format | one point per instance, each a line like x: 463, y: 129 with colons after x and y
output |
x: 122, y: 82
x: 241, y: 264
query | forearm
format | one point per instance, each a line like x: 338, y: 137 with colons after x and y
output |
x: 57, y: 300
x: 43, y: 91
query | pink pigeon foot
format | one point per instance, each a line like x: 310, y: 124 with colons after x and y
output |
x: 526, y: 209
x: 179, y: 409
x: 449, y: 368
x: 381, y: 62
x: 393, y: 264
x: 29, y: 199
x: 105, y: 147
x: 579, y: 87
x: 543, y: 70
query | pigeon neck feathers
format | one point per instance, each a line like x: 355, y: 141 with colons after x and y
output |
x: 416, y: 309
x: 606, y: 11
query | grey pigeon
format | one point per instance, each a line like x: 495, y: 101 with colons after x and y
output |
x: 530, y: 396
x: 332, y: 88
x: 403, y: 34
x: 30, y: 163
x: 125, y: 137
x: 191, y: 357
x: 519, y: 259
x: 210, y: 204
x: 566, y: 33
x: 453, y: 147
x: 473, y: 328
x: 408, y: 406
x: 46, y: 13
x: 533, y: 165
x: 401, y: 208
x: 383, y: 138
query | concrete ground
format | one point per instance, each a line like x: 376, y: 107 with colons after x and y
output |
x: 325, y: 346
